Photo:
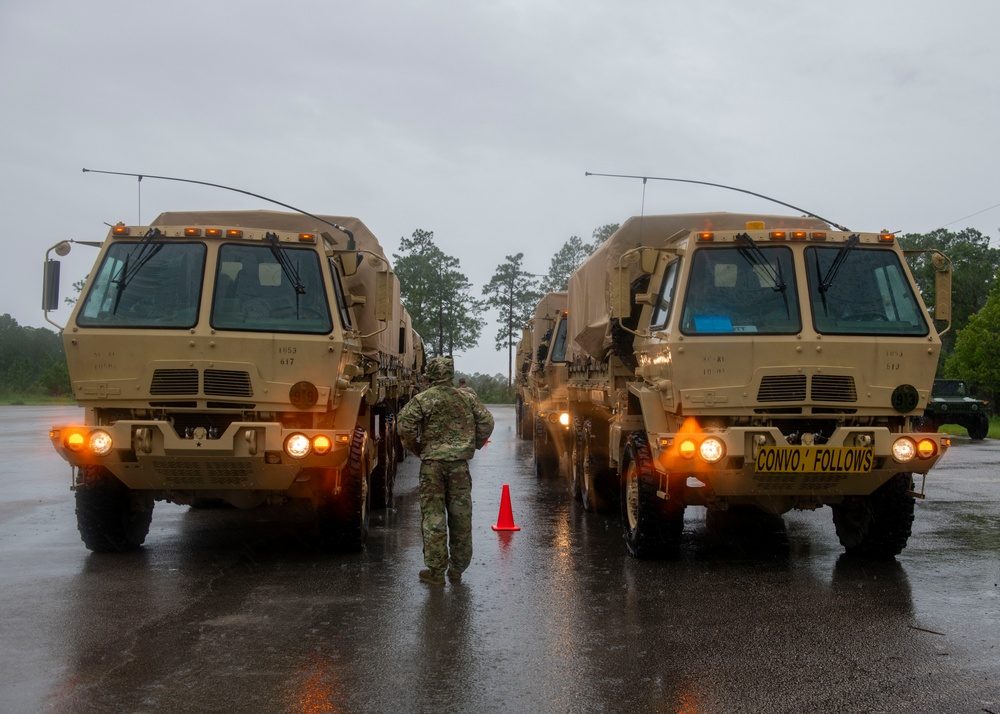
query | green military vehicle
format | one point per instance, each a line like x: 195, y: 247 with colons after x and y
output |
x: 245, y: 357
x: 951, y: 402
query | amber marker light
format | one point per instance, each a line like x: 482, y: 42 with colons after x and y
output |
x: 687, y: 449
x: 799, y: 235
x: 706, y: 236
x: 234, y: 233
x: 192, y: 232
x: 818, y: 235
x: 886, y: 237
x: 777, y: 235
x: 755, y: 225
x: 213, y: 232
x: 343, y: 438
x: 307, y: 237
x: 120, y: 230
x: 322, y: 444
x: 74, y: 442
x: 926, y: 448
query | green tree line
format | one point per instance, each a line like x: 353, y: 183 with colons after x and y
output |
x: 32, y: 363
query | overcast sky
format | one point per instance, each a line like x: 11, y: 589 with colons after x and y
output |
x: 477, y: 120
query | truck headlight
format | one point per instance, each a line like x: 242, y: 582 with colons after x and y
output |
x: 904, y: 449
x: 712, y: 450
x: 100, y: 443
x: 564, y: 418
x: 298, y: 446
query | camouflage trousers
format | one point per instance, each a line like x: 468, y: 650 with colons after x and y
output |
x: 446, y: 514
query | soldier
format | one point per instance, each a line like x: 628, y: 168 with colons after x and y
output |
x: 463, y: 387
x: 451, y: 425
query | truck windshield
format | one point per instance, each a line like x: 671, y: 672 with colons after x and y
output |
x: 870, y: 295
x: 558, y: 353
x: 730, y: 292
x: 164, y: 291
x: 253, y: 291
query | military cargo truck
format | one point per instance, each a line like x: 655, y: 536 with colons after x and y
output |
x: 755, y: 363
x: 952, y: 402
x: 247, y: 357
x: 546, y: 383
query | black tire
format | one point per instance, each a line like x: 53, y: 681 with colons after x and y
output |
x: 576, y: 462
x: 652, y: 527
x: 342, y: 518
x: 546, y: 456
x: 879, y: 525
x: 595, y: 476
x: 526, y: 422
x: 979, y: 427
x: 384, y: 474
x: 111, y: 517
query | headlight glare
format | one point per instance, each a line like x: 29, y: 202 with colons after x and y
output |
x: 100, y: 443
x: 712, y: 450
x: 904, y: 449
x: 297, y: 446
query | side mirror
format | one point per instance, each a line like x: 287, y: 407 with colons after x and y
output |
x: 50, y: 276
x: 50, y: 286
x: 350, y: 262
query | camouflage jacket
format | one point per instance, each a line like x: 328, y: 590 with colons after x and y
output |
x: 451, y: 424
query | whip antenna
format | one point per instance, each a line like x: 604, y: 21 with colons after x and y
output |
x: 227, y: 188
x: 719, y: 185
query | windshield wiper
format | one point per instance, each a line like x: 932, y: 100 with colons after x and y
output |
x: 291, y: 273
x: 145, y: 251
x: 755, y: 257
x: 827, y: 281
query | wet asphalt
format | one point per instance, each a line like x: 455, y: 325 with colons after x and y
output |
x: 235, y: 611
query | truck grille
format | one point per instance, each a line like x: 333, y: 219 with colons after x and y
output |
x: 223, y: 383
x: 194, y: 474
x: 792, y: 388
x: 174, y: 381
x: 218, y: 383
x: 833, y: 388
x: 782, y: 388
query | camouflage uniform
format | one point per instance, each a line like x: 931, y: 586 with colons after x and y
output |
x: 451, y: 425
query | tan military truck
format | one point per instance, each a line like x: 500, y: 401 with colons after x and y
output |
x: 546, y: 383
x: 751, y: 362
x: 250, y: 357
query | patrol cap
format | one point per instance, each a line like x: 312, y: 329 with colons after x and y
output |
x: 440, y: 369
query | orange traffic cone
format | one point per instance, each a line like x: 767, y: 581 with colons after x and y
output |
x: 505, y: 521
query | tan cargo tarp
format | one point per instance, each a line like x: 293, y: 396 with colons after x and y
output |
x: 379, y: 336
x: 590, y: 287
